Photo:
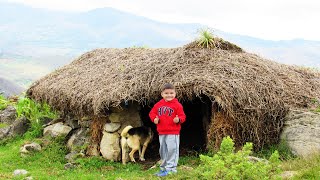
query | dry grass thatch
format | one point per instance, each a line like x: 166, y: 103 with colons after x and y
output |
x: 254, y: 92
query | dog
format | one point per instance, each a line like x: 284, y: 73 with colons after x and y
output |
x: 134, y: 138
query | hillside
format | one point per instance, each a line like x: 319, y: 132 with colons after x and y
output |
x: 8, y: 88
x: 44, y: 40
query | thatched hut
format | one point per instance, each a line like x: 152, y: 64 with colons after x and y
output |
x: 224, y: 90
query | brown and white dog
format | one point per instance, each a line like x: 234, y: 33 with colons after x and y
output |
x: 134, y: 138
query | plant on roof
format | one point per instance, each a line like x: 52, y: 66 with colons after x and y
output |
x: 206, y: 39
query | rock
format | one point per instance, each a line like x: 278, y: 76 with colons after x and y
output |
x: 71, y: 157
x: 128, y: 115
x: 112, y: 127
x: 72, y: 122
x: 301, y: 132
x: 8, y: 115
x: 29, y: 178
x: 79, y: 140
x: 57, y: 129
x: 85, y: 123
x: 110, y: 146
x: 4, y: 132
x: 46, y: 120
x: 288, y: 174
x: 20, y: 126
x: 115, y: 117
x: 27, y: 148
x: 69, y: 166
x: 19, y: 172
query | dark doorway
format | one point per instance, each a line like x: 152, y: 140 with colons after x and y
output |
x: 194, y: 130
x: 193, y: 136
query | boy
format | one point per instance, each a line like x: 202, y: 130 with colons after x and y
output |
x: 168, y: 115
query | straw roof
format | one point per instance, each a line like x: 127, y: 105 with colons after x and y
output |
x: 250, y: 89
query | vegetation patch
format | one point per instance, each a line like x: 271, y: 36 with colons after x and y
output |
x: 3, y: 102
x: 228, y: 164
x: 34, y: 112
x: 2, y: 125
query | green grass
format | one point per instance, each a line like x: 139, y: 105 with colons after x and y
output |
x: 307, y: 168
x: 49, y: 164
x: 3, y: 102
x: 2, y: 125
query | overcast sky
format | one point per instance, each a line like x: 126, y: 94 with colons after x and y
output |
x: 266, y: 19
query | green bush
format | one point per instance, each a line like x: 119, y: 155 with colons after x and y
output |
x: 3, y: 102
x: 34, y: 112
x: 227, y: 164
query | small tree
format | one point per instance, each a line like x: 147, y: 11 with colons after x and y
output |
x: 227, y: 164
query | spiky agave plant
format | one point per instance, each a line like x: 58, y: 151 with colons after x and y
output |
x: 206, y: 39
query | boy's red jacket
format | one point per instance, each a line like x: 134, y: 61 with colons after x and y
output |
x: 166, y: 111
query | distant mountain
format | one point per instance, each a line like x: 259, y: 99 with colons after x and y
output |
x: 43, y: 40
x: 8, y: 88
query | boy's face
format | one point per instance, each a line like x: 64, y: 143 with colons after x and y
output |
x: 168, y: 94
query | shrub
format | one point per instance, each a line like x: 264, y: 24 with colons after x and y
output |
x: 34, y: 112
x: 227, y: 164
x: 206, y: 39
x: 3, y: 102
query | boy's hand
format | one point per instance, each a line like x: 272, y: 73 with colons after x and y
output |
x: 156, y: 120
x: 176, y: 119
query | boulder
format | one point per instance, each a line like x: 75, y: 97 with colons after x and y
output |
x: 57, y: 129
x: 110, y: 146
x: 18, y: 127
x: 4, y: 132
x: 127, y: 115
x: 79, y: 140
x: 72, y: 122
x: 27, y: 148
x: 302, y: 132
x: 112, y: 127
x: 8, y: 115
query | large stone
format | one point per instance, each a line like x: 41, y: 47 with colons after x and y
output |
x: 4, y: 132
x: 110, y: 146
x: 127, y: 115
x: 18, y: 127
x: 27, y: 148
x: 79, y: 140
x: 72, y: 122
x: 115, y: 117
x: 302, y: 132
x: 112, y: 127
x: 8, y: 115
x: 57, y: 129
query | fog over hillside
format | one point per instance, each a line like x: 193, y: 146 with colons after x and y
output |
x: 37, y: 41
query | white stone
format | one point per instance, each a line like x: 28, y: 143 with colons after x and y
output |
x: 110, y: 146
x: 27, y: 148
x: 19, y: 172
x: 302, y: 132
x: 57, y: 129
x: 112, y: 127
